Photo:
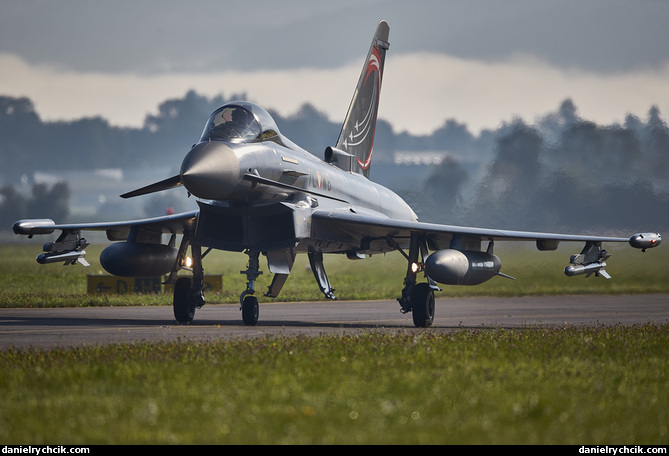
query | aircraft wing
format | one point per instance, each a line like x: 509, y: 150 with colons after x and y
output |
x: 70, y: 245
x: 168, y: 224
x: 374, y: 227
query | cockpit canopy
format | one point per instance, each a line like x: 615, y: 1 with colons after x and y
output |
x: 240, y: 122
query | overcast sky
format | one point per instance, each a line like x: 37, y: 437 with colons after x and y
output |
x: 481, y: 62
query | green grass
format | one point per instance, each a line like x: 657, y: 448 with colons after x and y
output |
x: 28, y: 284
x: 568, y: 385
x: 531, y: 386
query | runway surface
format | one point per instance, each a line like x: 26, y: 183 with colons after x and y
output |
x: 51, y: 328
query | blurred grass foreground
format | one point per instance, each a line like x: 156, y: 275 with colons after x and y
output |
x: 595, y: 386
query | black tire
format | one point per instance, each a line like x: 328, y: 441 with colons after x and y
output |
x: 184, y: 308
x: 250, y: 310
x: 422, y: 305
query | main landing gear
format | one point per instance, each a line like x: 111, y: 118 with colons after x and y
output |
x: 188, y: 290
x: 417, y: 298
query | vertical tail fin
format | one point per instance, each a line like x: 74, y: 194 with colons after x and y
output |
x: 357, y: 133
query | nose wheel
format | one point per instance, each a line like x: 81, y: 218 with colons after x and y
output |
x: 250, y: 310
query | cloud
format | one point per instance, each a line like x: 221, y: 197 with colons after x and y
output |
x: 125, y: 99
x: 420, y: 90
x: 483, y: 94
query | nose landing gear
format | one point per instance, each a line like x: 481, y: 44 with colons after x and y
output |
x: 249, y: 303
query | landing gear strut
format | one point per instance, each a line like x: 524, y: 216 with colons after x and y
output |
x: 249, y: 303
x: 417, y: 298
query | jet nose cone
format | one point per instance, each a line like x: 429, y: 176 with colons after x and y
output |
x: 210, y: 170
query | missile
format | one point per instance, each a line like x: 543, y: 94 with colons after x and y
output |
x: 66, y: 258
x: 597, y: 268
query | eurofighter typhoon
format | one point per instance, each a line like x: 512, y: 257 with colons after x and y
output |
x: 259, y: 193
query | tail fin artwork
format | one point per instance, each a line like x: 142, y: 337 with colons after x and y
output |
x: 357, y: 133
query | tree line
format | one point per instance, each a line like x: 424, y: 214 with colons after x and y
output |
x: 561, y: 171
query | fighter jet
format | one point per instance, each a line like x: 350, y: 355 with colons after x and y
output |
x: 259, y: 193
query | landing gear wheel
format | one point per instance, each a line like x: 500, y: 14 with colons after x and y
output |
x: 250, y: 310
x: 184, y: 307
x: 422, y: 304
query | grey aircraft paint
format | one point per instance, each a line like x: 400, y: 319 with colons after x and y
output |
x: 260, y: 193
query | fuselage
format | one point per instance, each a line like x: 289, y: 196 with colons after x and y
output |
x: 215, y: 170
x: 238, y: 213
x: 257, y: 189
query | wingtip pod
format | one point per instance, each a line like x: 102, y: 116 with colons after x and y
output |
x: 645, y: 241
x: 34, y: 226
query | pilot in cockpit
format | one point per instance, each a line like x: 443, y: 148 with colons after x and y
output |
x: 234, y: 123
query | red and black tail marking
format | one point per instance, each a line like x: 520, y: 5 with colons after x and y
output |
x: 357, y: 133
